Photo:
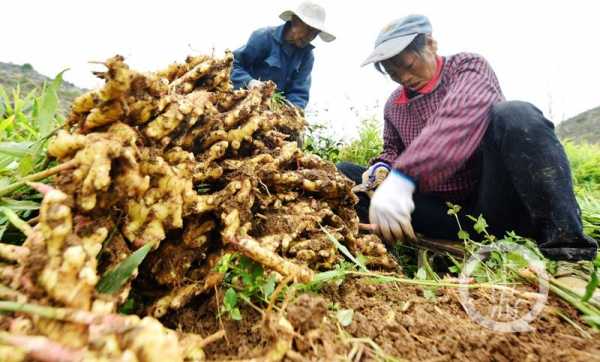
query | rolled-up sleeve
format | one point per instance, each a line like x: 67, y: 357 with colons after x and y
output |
x: 458, y: 126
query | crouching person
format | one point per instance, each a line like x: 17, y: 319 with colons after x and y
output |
x: 450, y: 136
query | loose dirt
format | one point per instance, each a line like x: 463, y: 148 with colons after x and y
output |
x: 400, y: 321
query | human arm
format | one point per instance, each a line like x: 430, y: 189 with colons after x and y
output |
x: 298, y: 92
x: 457, y: 128
x: 246, y: 56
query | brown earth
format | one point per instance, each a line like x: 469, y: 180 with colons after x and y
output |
x: 392, y: 322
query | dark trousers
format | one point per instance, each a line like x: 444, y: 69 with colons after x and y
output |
x: 525, y: 186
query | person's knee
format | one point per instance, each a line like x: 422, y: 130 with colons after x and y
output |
x: 352, y: 171
x: 518, y: 116
x: 345, y: 167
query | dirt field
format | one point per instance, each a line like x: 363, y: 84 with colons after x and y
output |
x: 403, y: 325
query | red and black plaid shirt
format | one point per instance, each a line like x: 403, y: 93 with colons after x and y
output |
x: 433, y: 137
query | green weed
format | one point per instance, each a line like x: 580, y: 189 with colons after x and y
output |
x: 245, y: 280
x: 26, y: 124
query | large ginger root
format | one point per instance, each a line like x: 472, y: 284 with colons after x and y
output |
x: 252, y: 249
x: 104, y: 337
x: 190, y: 107
x: 61, y: 264
x: 177, y: 159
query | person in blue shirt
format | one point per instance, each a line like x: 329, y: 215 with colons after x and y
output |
x: 283, y: 54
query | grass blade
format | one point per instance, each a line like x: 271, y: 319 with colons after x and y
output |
x: 48, y: 106
x: 115, y: 278
x: 592, y: 285
x: 14, y: 219
x: 344, y: 250
x: 15, y: 149
x: 19, y: 205
x: 6, y: 101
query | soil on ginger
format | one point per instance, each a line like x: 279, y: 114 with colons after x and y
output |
x: 398, y: 319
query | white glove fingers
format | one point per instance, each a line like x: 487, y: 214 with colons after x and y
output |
x: 399, y: 234
x: 374, y: 219
x: 384, y: 229
x: 408, y: 229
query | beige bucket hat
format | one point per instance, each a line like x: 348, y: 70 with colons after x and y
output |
x: 312, y: 14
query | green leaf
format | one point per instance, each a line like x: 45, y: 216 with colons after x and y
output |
x: 114, y: 279
x: 235, y: 314
x: 48, y: 106
x: 463, y: 235
x: 230, y: 299
x: 269, y: 286
x: 480, y: 225
x: 16, y: 149
x: 344, y: 316
x: 128, y: 307
x: 5, y: 123
x: 3, y: 227
x: 224, y: 263
x: 26, y: 165
x: 25, y: 123
x: 344, y: 250
x: 592, y: 285
x: 7, y: 104
x: 421, y: 274
x: 592, y: 320
x: 19, y: 205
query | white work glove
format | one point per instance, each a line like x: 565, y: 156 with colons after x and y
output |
x: 254, y: 83
x: 370, y: 175
x: 391, y: 206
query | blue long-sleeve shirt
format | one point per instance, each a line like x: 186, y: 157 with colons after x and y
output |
x: 267, y: 56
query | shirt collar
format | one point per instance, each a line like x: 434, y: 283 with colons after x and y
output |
x: 278, y: 33
x: 427, y: 88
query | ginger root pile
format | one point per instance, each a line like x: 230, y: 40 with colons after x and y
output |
x: 179, y: 160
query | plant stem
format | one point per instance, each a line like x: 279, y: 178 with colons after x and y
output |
x: 14, y: 219
x: 37, y: 177
x: 567, y: 296
x: 431, y: 283
x: 592, y: 302
x: 63, y: 314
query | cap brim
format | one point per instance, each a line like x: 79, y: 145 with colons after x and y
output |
x: 325, y: 36
x: 389, y: 49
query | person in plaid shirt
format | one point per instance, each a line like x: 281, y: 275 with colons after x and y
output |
x: 450, y: 136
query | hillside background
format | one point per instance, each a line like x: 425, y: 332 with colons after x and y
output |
x: 28, y: 79
x: 585, y: 127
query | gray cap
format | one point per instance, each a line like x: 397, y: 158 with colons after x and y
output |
x: 396, y: 36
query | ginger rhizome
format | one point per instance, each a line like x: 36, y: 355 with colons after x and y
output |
x: 177, y: 160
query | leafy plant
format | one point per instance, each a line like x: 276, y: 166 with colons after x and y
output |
x: 499, y: 266
x: 368, y: 145
x: 246, y: 280
x: 114, y: 279
x: 26, y: 124
x: 319, y: 141
x: 584, y: 160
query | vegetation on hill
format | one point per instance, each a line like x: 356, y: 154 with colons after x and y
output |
x: 26, y: 79
x: 584, y: 127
